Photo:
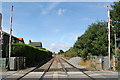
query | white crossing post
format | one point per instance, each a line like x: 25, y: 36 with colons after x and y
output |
x: 109, y: 35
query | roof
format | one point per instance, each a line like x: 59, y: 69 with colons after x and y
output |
x: 36, y: 43
x: 20, y: 38
x: 118, y: 39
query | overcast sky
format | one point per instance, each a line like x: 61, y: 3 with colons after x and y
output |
x: 56, y: 24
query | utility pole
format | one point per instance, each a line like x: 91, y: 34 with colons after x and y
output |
x: 109, y: 35
x: 10, y: 42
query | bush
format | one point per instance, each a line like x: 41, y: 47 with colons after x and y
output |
x: 32, y: 54
x: 71, y: 53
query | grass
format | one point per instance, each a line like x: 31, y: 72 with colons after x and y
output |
x: 62, y: 55
x: 4, y: 70
x: 87, y: 64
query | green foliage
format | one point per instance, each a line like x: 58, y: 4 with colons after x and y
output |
x: 115, y: 17
x: 71, y: 52
x: 93, y: 42
x: 61, y: 52
x: 32, y: 54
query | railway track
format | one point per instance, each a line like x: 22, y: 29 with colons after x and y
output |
x: 57, y: 69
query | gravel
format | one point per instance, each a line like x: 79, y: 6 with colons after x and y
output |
x: 75, y: 61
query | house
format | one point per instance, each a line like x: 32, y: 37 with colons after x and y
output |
x: 21, y: 40
x: 36, y: 44
x: 118, y: 43
x: 5, y: 41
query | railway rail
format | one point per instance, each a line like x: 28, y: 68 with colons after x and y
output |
x: 57, y: 69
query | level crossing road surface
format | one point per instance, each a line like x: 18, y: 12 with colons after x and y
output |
x: 60, y: 69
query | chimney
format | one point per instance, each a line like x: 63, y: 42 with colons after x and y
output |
x: 30, y: 41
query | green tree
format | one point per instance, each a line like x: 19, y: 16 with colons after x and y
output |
x: 93, y: 42
x: 72, y: 52
x: 115, y: 17
x: 61, y: 52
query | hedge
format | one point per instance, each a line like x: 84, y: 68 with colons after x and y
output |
x: 32, y: 54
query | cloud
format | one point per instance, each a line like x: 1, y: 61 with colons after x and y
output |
x: 61, y: 11
x: 63, y: 43
x: 55, y: 47
x: 56, y: 30
x: 49, y: 8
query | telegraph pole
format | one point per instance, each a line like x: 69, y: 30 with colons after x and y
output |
x: 10, y: 35
x: 109, y: 35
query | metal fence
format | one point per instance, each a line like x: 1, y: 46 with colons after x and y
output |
x: 99, y: 62
x: 16, y: 63
x: 3, y: 63
x: 93, y: 61
x: 116, y: 62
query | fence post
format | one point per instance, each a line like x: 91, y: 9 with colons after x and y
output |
x: 114, y: 66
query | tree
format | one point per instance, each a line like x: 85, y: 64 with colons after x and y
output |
x: 72, y: 52
x: 93, y: 42
x: 61, y: 52
x: 115, y: 17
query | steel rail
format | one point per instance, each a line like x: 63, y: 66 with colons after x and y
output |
x: 78, y: 69
x: 33, y: 70
x: 64, y: 69
x: 46, y: 70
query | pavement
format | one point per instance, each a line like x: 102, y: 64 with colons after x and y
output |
x: 16, y: 74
